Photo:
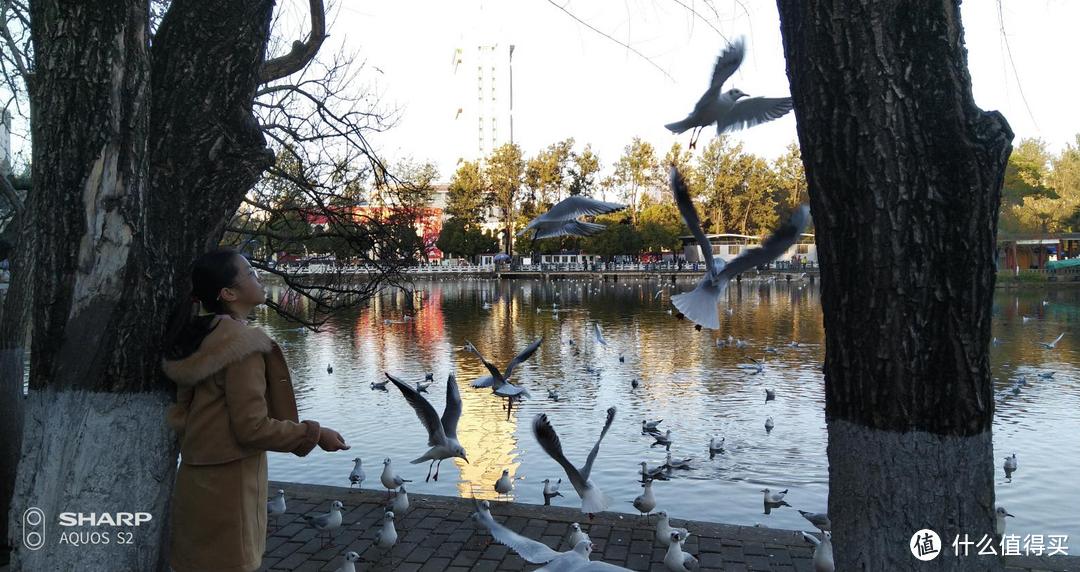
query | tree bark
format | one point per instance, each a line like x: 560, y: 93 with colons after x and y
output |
x: 128, y: 189
x: 905, y: 176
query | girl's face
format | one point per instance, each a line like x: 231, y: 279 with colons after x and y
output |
x: 247, y: 290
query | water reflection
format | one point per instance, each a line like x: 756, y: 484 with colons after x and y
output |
x: 684, y: 376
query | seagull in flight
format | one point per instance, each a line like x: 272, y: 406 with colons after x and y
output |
x: 562, y: 218
x: 1053, y: 344
x: 442, y: 433
x: 499, y: 380
x: 596, y: 333
x: 733, y: 109
x: 700, y: 304
x: 535, y: 552
x: 592, y: 499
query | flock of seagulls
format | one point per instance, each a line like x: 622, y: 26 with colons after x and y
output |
x: 726, y: 110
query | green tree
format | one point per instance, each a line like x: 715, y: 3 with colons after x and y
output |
x: 720, y: 173
x: 546, y: 173
x: 505, y: 171
x: 467, y: 195
x: 413, y: 186
x: 1025, y: 183
x: 619, y: 238
x: 791, y: 177
x: 637, y: 172
x: 1065, y: 180
x: 586, y: 166
x: 755, y: 197
x: 660, y: 226
x: 681, y: 158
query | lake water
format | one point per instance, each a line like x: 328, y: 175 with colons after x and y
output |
x: 695, y: 387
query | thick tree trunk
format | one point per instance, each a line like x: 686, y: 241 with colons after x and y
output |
x: 126, y: 193
x: 904, y: 174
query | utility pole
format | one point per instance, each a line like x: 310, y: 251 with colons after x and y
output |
x: 511, y: 93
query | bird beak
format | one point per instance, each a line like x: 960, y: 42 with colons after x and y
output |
x: 1007, y: 514
x: 465, y: 459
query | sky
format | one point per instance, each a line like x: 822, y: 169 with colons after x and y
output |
x: 570, y: 81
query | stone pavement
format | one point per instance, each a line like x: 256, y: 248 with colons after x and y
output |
x: 438, y: 534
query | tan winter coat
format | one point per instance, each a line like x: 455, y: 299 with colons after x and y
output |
x: 235, y: 401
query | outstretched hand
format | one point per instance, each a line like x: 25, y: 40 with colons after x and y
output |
x: 330, y: 440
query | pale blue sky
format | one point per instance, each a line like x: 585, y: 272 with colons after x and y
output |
x: 570, y: 81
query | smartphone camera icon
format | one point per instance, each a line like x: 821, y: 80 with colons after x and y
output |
x: 33, y: 528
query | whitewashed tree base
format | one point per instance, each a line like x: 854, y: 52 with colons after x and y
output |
x: 875, y: 474
x: 95, y: 452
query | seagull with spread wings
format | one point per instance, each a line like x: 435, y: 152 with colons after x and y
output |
x: 442, y: 433
x: 562, y: 218
x: 700, y: 304
x: 733, y: 109
x: 499, y: 381
x: 593, y: 499
x: 535, y: 552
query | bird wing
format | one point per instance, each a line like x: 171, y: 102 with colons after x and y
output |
x: 599, y: 336
x: 497, y: 378
x: 452, y: 413
x: 1058, y: 339
x: 567, y: 228
x: 527, y: 548
x: 727, y: 62
x: 549, y: 442
x: 690, y: 216
x: 751, y: 111
x: 423, y: 410
x: 576, y: 206
x: 774, y: 246
x: 811, y: 539
x: 486, y: 381
x: 587, y: 469
x: 524, y: 355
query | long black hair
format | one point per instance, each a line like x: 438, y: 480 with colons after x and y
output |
x: 210, y: 273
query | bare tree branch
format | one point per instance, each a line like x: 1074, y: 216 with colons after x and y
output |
x: 301, y: 52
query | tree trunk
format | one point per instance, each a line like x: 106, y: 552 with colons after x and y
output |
x: 14, y: 319
x: 905, y: 177
x: 128, y: 189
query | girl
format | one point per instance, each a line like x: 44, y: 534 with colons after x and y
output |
x: 235, y: 401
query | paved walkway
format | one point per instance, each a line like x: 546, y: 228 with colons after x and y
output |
x: 437, y: 534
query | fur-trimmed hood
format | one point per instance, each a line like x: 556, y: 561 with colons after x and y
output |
x: 227, y: 343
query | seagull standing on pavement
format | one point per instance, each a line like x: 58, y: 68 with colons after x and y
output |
x: 401, y: 501
x: 728, y: 110
x: 357, y: 476
x: 823, y: 557
x: 593, y: 499
x: 276, y: 506
x: 347, y: 565
x: 577, y: 535
x: 505, y: 484
x: 700, y: 304
x: 646, y: 501
x: 442, y: 433
x: 675, y: 559
x: 387, y: 534
x: 664, y: 529
x: 328, y: 521
x: 389, y: 478
x: 999, y: 520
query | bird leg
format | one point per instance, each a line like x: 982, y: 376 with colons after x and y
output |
x: 429, y: 471
x: 694, y: 136
x: 437, y: 467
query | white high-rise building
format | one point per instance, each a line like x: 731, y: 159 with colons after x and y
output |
x: 482, y: 98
